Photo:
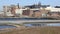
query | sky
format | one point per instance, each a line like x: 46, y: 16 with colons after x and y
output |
x: 29, y: 2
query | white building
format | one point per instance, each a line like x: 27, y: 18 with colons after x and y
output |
x: 52, y: 9
x: 9, y: 14
x: 19, y: 11
x: 7, y: 11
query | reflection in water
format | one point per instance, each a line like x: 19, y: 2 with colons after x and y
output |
x: 45, y: 24
x: 6, y: 26
x: 53, y: 24
x: 30, y: 25
x: 27, y: 19
x: 27, y: 25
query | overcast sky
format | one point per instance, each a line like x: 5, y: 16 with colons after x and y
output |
x: 29, y: 2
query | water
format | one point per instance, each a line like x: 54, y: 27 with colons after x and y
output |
x: 6, y: 26
x: 49, y: 24
x: 53, y: 24
x: 30, y: 25
x: 26, y: 18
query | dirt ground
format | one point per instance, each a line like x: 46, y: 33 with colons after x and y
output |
x: 32, y: 30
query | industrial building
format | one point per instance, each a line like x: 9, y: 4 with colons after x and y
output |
x: 36, y: 10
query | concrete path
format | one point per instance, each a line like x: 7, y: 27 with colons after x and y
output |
x: 24, y: 21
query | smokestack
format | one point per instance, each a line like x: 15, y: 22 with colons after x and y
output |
x: 18, y: 5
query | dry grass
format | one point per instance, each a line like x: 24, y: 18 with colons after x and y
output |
x: 34, y: 30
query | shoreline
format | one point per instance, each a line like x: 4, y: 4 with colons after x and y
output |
x: 31, y: 30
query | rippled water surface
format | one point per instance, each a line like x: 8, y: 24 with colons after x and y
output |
x: 50, y: 24
x: 6, y: 26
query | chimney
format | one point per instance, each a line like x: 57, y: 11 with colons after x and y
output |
x: 18, y: 6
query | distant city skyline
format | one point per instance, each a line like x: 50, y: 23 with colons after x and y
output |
x: 29, y: 2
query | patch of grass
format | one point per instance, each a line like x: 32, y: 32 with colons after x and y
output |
x: 8, y: 23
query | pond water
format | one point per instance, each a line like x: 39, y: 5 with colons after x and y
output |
x: 6, y: 26
x: 50, y: 24
x: 30, y: 25
x: 53, y: 24
x: 27, y: 19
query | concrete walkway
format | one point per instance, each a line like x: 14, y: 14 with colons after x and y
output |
x: 24, y: 21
